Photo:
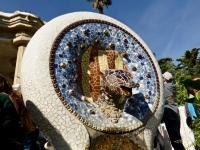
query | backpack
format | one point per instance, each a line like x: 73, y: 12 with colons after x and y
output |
x: 190, y: 113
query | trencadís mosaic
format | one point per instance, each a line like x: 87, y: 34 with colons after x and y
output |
x: 79, y: 55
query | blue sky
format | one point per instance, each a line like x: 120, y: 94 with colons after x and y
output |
x: 168, y: 27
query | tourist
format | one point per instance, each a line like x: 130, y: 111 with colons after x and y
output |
x: 192, y: 110
x: 15, y: 120
x: 171, y: 115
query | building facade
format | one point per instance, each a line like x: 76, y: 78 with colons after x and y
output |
x: 16, y: 30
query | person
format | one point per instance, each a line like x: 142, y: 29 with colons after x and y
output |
x: 192, y: 110
x: 171, y: 115
x: 15, y: 120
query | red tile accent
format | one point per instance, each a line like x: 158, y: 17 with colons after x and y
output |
x: 111, y: 58
x: 94, y: 74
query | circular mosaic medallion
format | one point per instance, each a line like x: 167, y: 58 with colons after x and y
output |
x: 104, y: 76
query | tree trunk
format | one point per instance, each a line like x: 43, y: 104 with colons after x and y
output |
x: 100, y: 9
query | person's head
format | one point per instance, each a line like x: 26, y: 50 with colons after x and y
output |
x: 5, y: 86
x: 167, y: 77
x: 191, y: 90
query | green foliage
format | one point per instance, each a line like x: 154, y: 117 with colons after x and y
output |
x: 195, y: 85
x: 196, y: 131
x: 181, y: 92
x: 190, y: 61
x: 166, y: 64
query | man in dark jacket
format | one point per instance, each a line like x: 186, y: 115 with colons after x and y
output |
x: 171, y: 115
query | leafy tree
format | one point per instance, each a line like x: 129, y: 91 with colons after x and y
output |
x: 99, y: 4
x: 166, y: 64
x: 196, y: 131
x: 190, y: 61
x: 180, y: 88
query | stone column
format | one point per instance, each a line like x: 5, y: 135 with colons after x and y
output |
x: 20, y: 42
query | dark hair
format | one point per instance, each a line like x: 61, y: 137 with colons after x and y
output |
x: 25, y: 118
x: 5, y: 86
x: 169, y: 81
x: 191, y: 90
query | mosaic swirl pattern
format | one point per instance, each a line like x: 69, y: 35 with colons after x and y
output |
x: 85, y: 48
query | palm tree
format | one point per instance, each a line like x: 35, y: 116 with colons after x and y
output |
x: 99, y: 4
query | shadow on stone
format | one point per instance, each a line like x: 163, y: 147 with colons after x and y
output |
x: 137, y: 106
x: 50, y: 132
